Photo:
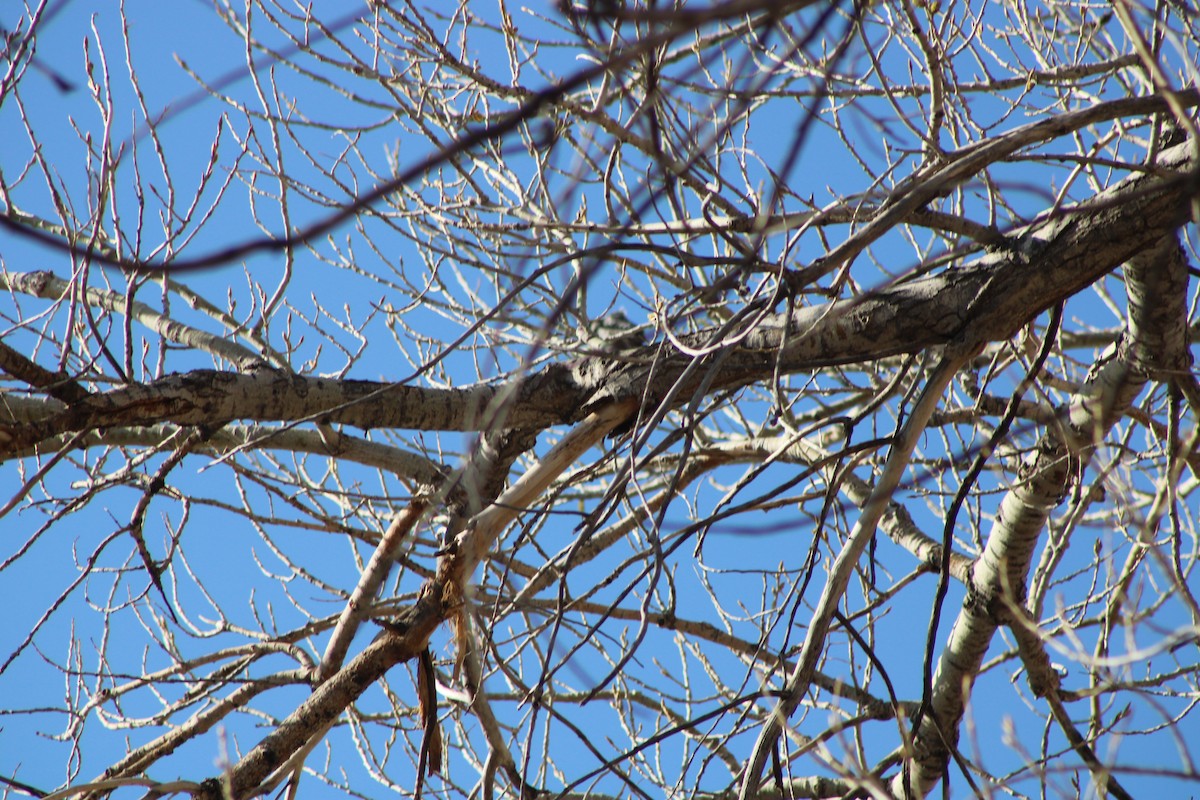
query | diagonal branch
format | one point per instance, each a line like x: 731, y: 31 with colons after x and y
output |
x: 408, y: 635
x: 358, y: 606
x: 999, y: 579
x: 873, y: 510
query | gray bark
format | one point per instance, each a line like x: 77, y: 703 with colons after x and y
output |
x: 995, y: 591
x: 987, y: 299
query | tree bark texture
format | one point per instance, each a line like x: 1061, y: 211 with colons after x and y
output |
x: 987, y: 299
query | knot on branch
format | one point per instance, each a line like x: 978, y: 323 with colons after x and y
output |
x: 994, y: 602
x: 1043, y: 678
x: 610, y: 380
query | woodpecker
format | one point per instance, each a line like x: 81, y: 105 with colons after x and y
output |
x: 613, y: 333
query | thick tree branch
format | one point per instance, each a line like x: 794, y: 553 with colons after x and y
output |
x: 999, y: 578
x: 48, y: 286
x: 409, y: 636
x: 207, y: 396
x: 992, y: 296
x: 1044, y: 681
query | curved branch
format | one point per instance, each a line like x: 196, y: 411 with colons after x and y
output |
x: 1000, y: 576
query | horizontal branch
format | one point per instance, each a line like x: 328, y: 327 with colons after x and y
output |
x: 205, y: 397
x: 993, y: 296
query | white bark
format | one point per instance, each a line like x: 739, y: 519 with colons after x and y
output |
x: 996, y: 592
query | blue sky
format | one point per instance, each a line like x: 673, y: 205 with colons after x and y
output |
x: 228, y: 558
